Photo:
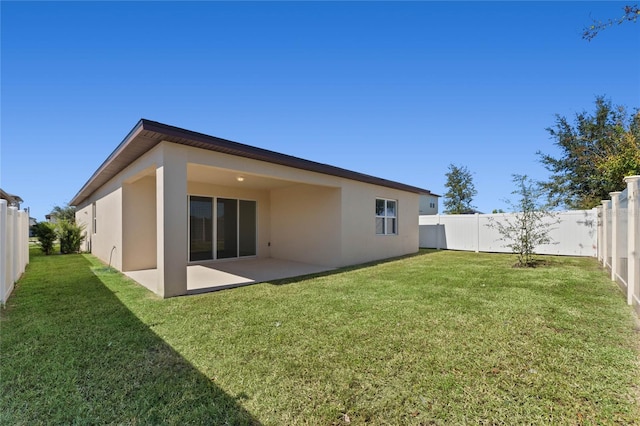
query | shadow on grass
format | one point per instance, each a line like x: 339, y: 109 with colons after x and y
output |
x: 299, y: 278
x: 72, y: 353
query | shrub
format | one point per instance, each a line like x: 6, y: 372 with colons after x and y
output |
x: 530, y: 225
x: 71, y: 236
x: 46, y: 234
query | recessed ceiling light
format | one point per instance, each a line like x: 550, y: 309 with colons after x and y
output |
x: 240, y: 178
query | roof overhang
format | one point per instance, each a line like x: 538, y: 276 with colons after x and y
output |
x: 147, y: 134
x: 11, y: 198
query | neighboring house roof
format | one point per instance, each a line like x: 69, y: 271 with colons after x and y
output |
x: 147, y: 134
x: 12, y: 200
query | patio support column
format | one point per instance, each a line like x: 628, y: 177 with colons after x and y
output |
x: 171, y: 214
x: 633, y: 241
x: 615, y: 203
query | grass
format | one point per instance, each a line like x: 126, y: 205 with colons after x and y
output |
x: 437, y: 338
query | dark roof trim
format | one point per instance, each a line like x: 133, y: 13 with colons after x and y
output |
x: 146, y: 134
x: 11, y: 198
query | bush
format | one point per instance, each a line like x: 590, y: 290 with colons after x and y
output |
x: 46, y: 234
x: 71, y: 236
x: 531, y: 223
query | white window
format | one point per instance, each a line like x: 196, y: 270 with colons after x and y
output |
x: 386, y: 216
x: 94, y: 215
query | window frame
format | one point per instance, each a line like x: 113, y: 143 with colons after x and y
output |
x: 385, y: 216
x: 94, y: 217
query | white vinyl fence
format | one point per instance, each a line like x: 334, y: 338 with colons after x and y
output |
x: 575, y: 234
x: 14, y: 247
x: 619, y: 232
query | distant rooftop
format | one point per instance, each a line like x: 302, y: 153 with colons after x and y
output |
x: 12, y: 200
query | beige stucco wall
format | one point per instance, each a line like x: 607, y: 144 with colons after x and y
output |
x: 108, y: 199
x: 314, y: 210
x: 263, y: 205
x: 360, y: 243
x: 172, y: 220
x: 106, y: 243
x: 83, y: 218
x: 304, y: 216
x: 305, y: 224
x: 139, y: 241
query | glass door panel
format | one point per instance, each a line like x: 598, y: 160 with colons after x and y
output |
x: 247, y: 228
x: 200, y: 228
x: 227, y: 228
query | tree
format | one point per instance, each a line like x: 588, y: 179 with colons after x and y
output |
x: 71, y: 236
x: 66, y: 212
x: 625, y: 159
x: 530, y: 224
x: 631, y: 14
x: 460, y: 190
x: 597, y: 150
x: 46, y: 234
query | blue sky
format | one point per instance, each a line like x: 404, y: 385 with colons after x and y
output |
x: 395, y: 90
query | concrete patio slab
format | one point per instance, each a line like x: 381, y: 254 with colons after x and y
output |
x: 219, y: 275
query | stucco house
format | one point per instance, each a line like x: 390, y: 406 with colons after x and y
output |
x: 429, y: 204
x: 181, y: 212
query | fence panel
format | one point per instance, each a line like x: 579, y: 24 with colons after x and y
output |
x: 633, y: 247
x: 574, y: 235
x: 621, y: 234
x: 14, y: 247
x: 608, y: 236
x: 622, y: 231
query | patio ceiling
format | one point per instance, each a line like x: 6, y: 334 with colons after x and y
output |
x: 229, y: 178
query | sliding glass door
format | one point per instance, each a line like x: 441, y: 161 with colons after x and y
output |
x: 200, y: 228
x: 227, y: 228
x: 234, y: 229
x: 247, y: 227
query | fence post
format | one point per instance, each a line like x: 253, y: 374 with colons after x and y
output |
x: 599, y: 233
x: 605, y: 232
x: 615, y: 202
x: 3, y: 249
x: 24, y: 240
x: 15, y: 248
x: 633, y: 280
x: 438, y: 234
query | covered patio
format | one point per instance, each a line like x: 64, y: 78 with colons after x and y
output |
x: 220, y: 275
x: 183, y: 212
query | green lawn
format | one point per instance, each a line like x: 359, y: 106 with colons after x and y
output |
x: 438, y: 338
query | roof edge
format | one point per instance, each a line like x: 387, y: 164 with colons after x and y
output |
x: 234, y: 148
x: 170, y: 130
x: 127, y: 139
